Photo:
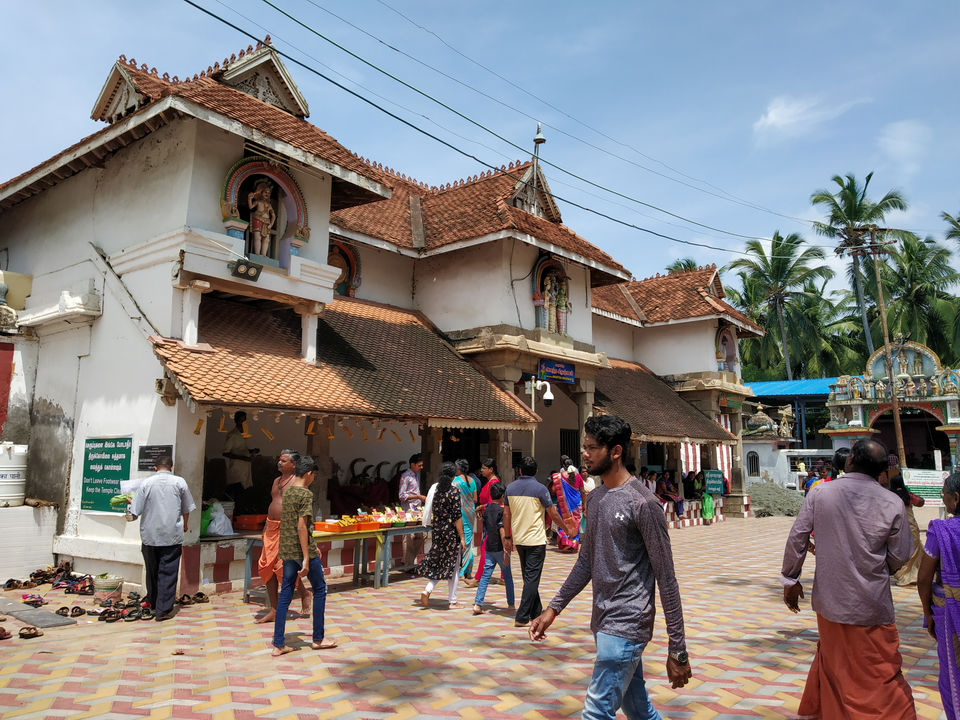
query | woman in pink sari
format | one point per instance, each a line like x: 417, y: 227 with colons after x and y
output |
x: 667, y: 492
x: 568, y: 487
x: 938, y: 584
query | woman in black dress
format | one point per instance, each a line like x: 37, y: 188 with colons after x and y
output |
x: 443, y: 560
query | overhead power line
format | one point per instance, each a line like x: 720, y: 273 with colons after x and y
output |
x: 460, y: 151
x: 497, y: 135
x: 726, y: 195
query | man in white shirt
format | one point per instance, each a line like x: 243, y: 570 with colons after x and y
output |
x: 163, y: 504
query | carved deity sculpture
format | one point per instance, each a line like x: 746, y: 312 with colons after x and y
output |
x: 871, y: 389
x: 563, y: 306
x: 550, y: 301
x: 910, y: 387
x: 881, y: 388
x: 917, y: 363
x: 262, y: 217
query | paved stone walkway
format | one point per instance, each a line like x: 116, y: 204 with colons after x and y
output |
x: 398, y: 660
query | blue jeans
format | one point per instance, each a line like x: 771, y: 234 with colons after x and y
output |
x: 490, y: 561
x: 291, y: 569
x: 618, y: 681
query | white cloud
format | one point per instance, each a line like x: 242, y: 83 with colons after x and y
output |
x: 790, y: 117
x: 905, y: 143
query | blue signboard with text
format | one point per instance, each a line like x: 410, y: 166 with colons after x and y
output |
x: 556, y: 371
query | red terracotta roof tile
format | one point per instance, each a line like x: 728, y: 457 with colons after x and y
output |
x: 676, y: 296
x: 373, y: 360
x: 464, y: 210
x: 652, y: 408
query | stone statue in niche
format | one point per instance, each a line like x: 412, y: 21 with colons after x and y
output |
x: 917, y: 363
x: 563, y: 306
x: 262, y: 217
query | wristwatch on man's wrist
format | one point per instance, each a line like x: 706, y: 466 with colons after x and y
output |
x: 680, y: 657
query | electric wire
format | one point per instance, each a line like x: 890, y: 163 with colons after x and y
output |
x: 497, y: 135
x: 725, y: 194
x: 464, y: 153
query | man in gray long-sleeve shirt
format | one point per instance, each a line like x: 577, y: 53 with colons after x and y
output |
x: 862, y: 537
x: 625, y: 553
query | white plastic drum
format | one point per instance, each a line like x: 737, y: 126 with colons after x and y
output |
x: 13, y: 474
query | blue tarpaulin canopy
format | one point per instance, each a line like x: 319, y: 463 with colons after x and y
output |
x: 792, y: 388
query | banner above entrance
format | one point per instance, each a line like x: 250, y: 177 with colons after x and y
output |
x: 556, y: 371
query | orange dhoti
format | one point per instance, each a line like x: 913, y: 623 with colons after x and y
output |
x: 856, y: 675
x: 270, y: 564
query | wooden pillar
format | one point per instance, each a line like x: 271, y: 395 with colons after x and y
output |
x: 318, y: 447
x: 430, y: 438
x: 501, y: 449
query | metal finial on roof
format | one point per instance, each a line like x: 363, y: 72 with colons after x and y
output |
x: 166, y: 76
x: 123, y: 59
x: 539, y: 139
x: 267, y: 40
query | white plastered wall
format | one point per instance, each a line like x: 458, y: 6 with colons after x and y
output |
x: 680, y: 348
x: 489, y: 284
x: 386, y: 277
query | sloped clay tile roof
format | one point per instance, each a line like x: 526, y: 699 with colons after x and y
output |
x: 465, y: 210
x: 675, y: 296
x: 254, y: 113
x: 652, y: 408
x: 373, y: 360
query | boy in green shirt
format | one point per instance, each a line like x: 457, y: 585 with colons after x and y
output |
x: 300, y: 557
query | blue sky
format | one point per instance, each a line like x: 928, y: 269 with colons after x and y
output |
x: 759, y: 103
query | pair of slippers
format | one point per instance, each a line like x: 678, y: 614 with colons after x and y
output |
x: 30, y: 631
x: 32, y: 600
x: 190, y: 600
x: 75, y: 611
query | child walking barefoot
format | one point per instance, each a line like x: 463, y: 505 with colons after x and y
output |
x: 493, y: 554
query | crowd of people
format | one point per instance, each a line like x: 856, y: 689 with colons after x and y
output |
x: 858, y: 520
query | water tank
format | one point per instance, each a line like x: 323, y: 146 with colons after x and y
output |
x: 13, y: 474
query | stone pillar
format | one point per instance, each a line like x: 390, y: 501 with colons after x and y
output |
x: 190, y: 315
x: 430, y: 438
x: 508, y: 376
x: 501, y: 449
x: 583, y: 396
x: 308, y: 330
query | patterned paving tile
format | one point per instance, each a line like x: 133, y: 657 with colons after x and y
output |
x: 398, y: 660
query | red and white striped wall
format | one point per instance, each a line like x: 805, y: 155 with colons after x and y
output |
x: 725, y: 452
x: 689, y: 457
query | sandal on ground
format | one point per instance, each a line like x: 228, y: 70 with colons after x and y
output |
x: 110, y: 616
x: 200, y: 598
x: 134, y: 596
x: 35, y: 602
x: 95, y: 612
x: 85, y: 586
x: 4, y: 633
x: 12, y: 584
x: 185, y: 600
x: 65, y: 611
x: 77, y: 611
x: 30, y: 632
x: 147, y: 613
x: 132, y: 615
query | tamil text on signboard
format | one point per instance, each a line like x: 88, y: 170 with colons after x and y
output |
x: 714, y: 479
x: 149, y: 455
x: 106, y: 461
x: 556, y: 371
x: 926, y: 484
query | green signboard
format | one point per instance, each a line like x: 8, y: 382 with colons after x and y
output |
x: 106, y: 461
x: 714, y: 480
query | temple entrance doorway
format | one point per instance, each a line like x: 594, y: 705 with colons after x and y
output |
x: 920, y: 437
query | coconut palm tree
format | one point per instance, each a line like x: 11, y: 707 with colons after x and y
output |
x: 682, y: 265
x: 850, y: 213
x: 953, y: 222
x: 917, y: 279
x: 782, y: 274
x: 762, y: 353
x: 824, y: 331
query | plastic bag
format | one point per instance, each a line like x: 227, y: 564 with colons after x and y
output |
x: 219, y: 522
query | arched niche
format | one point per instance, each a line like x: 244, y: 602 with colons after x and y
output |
x: 256, y: 189
x: 550, y: 289
x: 726, y: 344
x: 346, y: 259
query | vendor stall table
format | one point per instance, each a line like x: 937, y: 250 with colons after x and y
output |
x: 381, y: 572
